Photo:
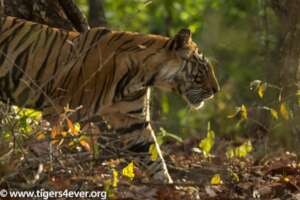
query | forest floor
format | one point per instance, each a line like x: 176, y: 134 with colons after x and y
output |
x: 35, y: 156
x: 275, y: 176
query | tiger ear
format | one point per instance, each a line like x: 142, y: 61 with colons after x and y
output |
x: 181, y: 39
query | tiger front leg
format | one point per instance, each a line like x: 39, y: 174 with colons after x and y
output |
x: 151, y: 160
x: 136, y: 136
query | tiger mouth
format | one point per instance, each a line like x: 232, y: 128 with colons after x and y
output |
x: 197, y: 106
x: 196, y: 101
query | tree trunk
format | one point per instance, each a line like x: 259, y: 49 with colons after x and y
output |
x: 56, y: 13
x: 288, y: 13
x: 96, y: 13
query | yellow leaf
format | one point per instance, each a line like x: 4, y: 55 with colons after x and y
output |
x: 128, y: 171
x: 274, y: 113
x: 40, y: 136
x: 71, y: 127
x: 77, y: 127
x: 284, y: 111
x: 255, y: 84
x: 27, y: 112
x: 244, y: 149
x: 216, y: 180
x: 207, y: 143
x: 286, y: 179
x: 85, y: 144
x: 54, y: 132
x: 153, y: 152
x: 230, y: 153
x: 115, y: 178
x: 64, y: 133
x: 244, y: 112
x: 240, y: 151
x: 71, y: 143
x: 261, y: 90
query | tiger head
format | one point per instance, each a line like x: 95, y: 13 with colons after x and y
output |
x: 188, y: 72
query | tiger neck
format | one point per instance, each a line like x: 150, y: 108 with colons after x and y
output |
x: 120, y: 68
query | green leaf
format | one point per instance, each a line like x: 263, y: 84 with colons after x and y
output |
x: 298, y: 95
x: 153, y: 152
x: 7, y: 135
x: 165, y: 104
x: 163, y: 134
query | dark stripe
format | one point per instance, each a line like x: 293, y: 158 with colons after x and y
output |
x: 25, y: 36
x: 165, y: 44
x: 121, y: 85
x: 40, y: 101
x: 100, y: 96
x: 12, y: 34
x: 37, y: 41
x: 172, y: 45
x: 20, y: 62
x: 137, y: 111
x: 140, y: 148
x: 83, y: 42
x: 132, y: 128
x: 65, y: 37
x: 14, y: 25
x: 126, y: 42
x: 23, y: 97
x: 48, y: 34
x: 149, y: 43
x: 135, y: 96
x: 148, y: 56
x: 44, y: 65
x: 7, y: 88
x: 151, y: 81
x: 3, y: 52
x: 116, y: 37
x: 102, y: 33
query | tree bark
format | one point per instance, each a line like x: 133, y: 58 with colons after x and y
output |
x: 74, y: 15
x: 288, y: 59
x: 56, y: 13
x: 96, y: 13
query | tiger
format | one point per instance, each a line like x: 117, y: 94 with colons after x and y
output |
x: 108, y: 73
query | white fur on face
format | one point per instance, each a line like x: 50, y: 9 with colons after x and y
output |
x: 169, y: 71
